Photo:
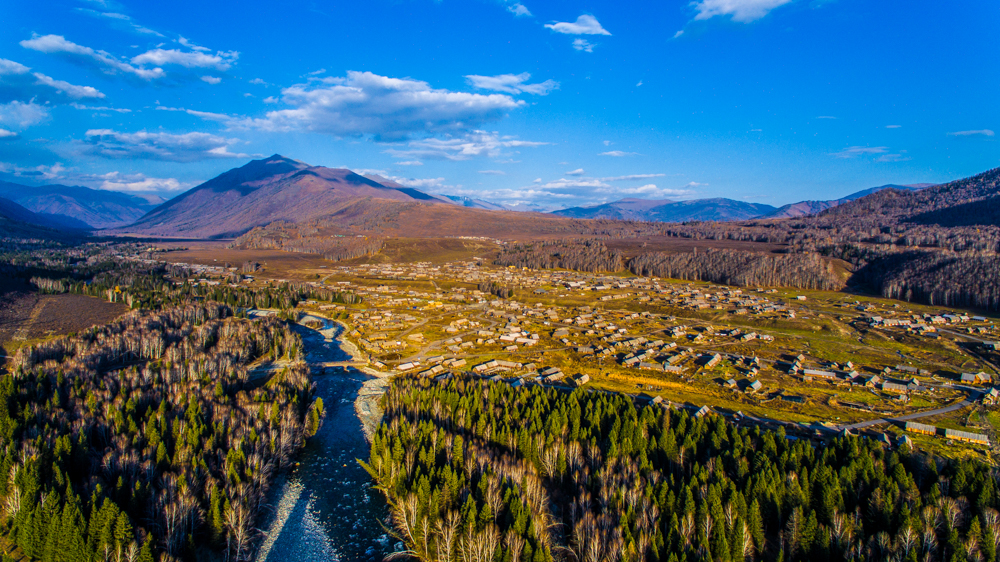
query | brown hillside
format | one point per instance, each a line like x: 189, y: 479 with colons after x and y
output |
x: 264, y: 191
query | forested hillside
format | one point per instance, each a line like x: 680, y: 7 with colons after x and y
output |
x: 587, y: 255
x: 744, y: 269
x: 148, y: 436
x: 480, y: 471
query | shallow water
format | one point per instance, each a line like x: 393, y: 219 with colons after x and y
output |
x: 326, y: 509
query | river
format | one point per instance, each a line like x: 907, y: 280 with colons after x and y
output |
x: 325, y: 508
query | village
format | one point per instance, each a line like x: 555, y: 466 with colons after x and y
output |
x: 818, y: 364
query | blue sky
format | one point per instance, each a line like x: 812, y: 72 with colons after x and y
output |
x: 551, y: 104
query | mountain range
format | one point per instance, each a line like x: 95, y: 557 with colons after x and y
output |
x: 282, y: 189
x: 17, y: 221
x: 77, y: 207
x: 665, y: 210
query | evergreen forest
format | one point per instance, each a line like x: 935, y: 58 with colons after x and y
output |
x: 480, y: 471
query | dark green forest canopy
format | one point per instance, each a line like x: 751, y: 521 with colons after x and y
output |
x: 149, y: 437
x: 479, y: 470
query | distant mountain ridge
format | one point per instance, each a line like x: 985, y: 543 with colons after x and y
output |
x: 77, y: 206
x: 665, y: 210
x: 17, y: 221
x: 715, y: 209
x: 466, y: 201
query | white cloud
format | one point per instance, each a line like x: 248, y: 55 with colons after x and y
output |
x: 639, y: 84
x: 893, y: 126
x: 511, y: 196
x: 100, y: 108
x: 206, y: 115
x: 471, y: 145
x: 114, y: 181
x: 52, y: 172
x: 410, y: 163
x: 21, y: 84
x: 584, y: 25
x: 419, y: 182
x: 9, y: 67
x: 648, y: 190
x: 825, y: 117
x: 678, y: 34
x: 258, y: 81
x: 983, y: 132
x: 607, y: 143
x: 493, y: 172
x: 512, y: 84
x: 564, y: 183
x: 4, y: 133
x: 576, y: 172
x: 146, y: 66
x: 518, y: 9
x: 212, y: 80
x: 743, y: 11
x: 583, y: 45
x: 185, y: 147
x: 19, y: 115
x: 57, y: 44
x: 386, y: 108
x: 71, y: 90
x: 121, y: 20
x: 618, y: 153
x: 197, y: 59
x: 853, y: 151
x: 183, y: 41
x: 892, y: 158
x: 632, y: 177
x: 271, y: 99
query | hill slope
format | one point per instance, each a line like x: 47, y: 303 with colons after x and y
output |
x: 18, y: 222
x: 264, y: 191
x: 665, y: 210
x: 965, y: 202
x: 77, y: 206
x: 803, y: 208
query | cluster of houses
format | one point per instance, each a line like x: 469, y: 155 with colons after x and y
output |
x: 955, y: 434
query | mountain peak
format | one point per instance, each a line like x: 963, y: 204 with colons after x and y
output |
x: 279, y: 159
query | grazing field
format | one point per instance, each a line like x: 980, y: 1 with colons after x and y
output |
x: 15, y: 308
x: 433, y: 250
x: 29, y: 317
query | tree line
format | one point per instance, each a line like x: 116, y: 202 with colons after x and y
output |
x: 743, y: 269
x: 475, y: 470
x: 586, y: 255
x: 731, y: 267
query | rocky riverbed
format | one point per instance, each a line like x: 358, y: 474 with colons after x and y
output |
x: 325, y: 509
